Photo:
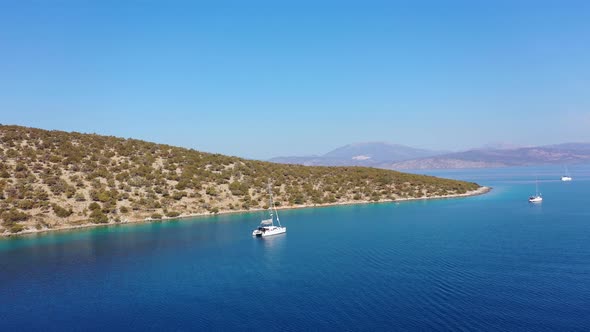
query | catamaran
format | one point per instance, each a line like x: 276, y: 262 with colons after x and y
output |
x: 267, y: 226
x: 537, y: 198
x: 567, y: 176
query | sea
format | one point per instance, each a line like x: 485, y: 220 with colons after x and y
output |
x: 493, y: 262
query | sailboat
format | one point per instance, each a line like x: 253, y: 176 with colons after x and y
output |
x: 267, y: 226
x: 567, y: 176
x: 537, y: 198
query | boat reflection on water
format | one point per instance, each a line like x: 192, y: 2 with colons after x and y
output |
x: 274, y: 242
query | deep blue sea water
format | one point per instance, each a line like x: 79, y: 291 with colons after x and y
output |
x: 491, y: 262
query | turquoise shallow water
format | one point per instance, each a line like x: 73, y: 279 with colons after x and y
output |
x: 491, y: 262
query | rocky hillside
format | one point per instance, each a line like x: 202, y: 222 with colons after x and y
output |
x: 54, y: 179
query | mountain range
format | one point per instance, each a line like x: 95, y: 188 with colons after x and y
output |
x: 400, y: 157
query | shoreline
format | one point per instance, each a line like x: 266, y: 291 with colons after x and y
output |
x: 479, y: 191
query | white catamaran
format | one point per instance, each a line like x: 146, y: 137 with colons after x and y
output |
x: 267, y: 226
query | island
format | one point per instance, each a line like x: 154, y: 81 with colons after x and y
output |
x: 52, y: 180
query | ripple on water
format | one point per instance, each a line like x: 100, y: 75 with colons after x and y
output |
x: 488, y: 263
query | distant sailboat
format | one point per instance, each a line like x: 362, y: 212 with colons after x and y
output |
x: 537, y: 198
x: 567, y: 176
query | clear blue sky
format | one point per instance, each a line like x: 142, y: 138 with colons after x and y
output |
x: 261, y: 79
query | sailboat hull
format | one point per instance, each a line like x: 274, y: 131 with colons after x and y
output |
x: 279, y: 230
x: 269, y: 231
x: 536, y: 199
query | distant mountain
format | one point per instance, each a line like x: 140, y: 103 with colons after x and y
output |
x: 567, y: 153
x: 501, y: 146
x: 400, y: 157
x: 374, y: 154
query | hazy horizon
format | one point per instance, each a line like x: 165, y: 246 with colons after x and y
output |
x: 265, y: 79
x: 492, y: 145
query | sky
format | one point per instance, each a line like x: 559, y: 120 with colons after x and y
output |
x: 263, y: 79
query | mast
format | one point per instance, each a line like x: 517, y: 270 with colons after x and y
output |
x: 277, y: 213
x: 272, y: 205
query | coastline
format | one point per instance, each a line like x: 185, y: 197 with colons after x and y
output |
x: 479, y: 191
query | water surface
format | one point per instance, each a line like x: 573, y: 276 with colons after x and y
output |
x: 491, y: 262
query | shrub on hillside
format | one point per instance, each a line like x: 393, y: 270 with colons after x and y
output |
x: 172, y: 214
x: 178, y: 195
x: 25, y: 204
x: 13, y: 215
x: 98, y: 217
x: 79, y: 197
x: 94, y: 206
x: 61, y: 212
x: 15, y: 228
x: 211, y: 191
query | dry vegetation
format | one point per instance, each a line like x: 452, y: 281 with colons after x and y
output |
x: 54, y: 179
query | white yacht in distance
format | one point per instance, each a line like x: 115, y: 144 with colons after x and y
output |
x: 567, y: 176
x: 537, y: 198
x: 267, y: 226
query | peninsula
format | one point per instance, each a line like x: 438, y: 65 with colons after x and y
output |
x: 52, y: 180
